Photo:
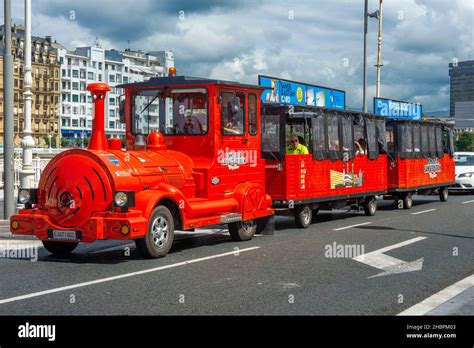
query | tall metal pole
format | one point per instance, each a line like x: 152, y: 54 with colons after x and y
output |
x: 379, y: 52
x: 27, y: 174
x: 8, y: 185
x: 364, y: 92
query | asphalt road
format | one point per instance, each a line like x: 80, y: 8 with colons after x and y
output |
x: 288, y: 273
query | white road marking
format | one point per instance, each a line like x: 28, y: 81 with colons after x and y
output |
x: 423, y: 211
x: 466, y: 202
x: 440, y: 297
x: 347, y: 227
x: 391, y: 265
x: 121, y: 276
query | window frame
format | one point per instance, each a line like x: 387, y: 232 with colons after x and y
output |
x: 244, y: 120
x: 333, y: 155
x: 320, y: 154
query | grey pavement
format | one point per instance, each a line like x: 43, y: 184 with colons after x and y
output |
x: 288, y: 273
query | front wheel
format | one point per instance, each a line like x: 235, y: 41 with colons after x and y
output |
x: 370, y: 206
x: 303, y: 216
x: 59, y: 248
x: 159, y: 238
x: 242, y: 230
x: 443, y: 194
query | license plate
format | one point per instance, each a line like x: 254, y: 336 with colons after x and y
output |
x: 64, y: 235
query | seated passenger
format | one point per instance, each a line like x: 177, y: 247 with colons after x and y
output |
x: 360, y: 146
x: 295, y: 148
x: 191, y: 124
x: 231, y: 127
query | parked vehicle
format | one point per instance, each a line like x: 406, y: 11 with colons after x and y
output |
x: 464, y: 172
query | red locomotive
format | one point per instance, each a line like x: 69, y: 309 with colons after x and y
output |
x: 202, y: 169
x: 201, y: 152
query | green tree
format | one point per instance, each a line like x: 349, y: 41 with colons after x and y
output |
x: 465, y: 142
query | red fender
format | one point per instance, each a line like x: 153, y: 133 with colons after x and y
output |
x: 253, y: 201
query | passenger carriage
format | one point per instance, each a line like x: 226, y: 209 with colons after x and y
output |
x: 421, y: 159
x: 335, y: 173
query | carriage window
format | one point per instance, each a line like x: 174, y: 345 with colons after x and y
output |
x: 232, y: 121
x: 372, y: 145
x: 416, y: 140
x: 439, y: 142
x: 319, y: 138
x: 389, y: 136
x: 451, y: 142
x: 406, y: 141
x: 347, y: 137
x: 333, y: 137
x: 300, y: 128
x: 381, y: 136
x: 425, y: 147
x: 271, y: 137
x: 252, y: 114
x: 432, y: 140
x: 359, y: 137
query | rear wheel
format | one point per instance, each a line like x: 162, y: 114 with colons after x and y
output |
x: 443, y: 194
x: 159, y: 238
x: 370, y: 206
x: 242, y: 230
x: 303, y: 216
x: 59, y: 248
x: 407, y: 200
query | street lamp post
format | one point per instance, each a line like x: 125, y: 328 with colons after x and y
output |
x: 9, y: 177
x: 27, y: 174
x: 379, y: 51
x: 364, y: 92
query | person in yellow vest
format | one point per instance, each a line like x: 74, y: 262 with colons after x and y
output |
x: 295, y: 148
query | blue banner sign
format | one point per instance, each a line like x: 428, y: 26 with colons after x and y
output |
x: 397, y: 109
x: 297, y: 93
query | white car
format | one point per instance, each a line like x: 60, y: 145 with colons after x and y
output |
x: 464, y: 171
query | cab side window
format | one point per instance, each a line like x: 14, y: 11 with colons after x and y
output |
x: 252, y: 114
x: 232, y: 113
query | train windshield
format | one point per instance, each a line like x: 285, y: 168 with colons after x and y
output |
x: 170, y: 111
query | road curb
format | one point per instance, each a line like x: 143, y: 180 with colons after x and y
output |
x: 4, y: 222
x: 8, y: 236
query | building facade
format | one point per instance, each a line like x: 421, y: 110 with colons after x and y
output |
x: 45, y: 106
x: 462, y: 94
x: 85, y: 65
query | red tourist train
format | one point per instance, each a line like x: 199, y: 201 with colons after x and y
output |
x: 201, y: 152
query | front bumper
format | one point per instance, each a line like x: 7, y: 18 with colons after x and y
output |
x: 463, y: 184
x: 104, y: 225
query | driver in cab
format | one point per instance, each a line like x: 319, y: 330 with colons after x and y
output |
x: 295, y: 148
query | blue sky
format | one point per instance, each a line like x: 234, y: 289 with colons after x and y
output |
x: 314, y: 41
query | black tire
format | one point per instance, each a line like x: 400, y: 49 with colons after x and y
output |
x: 443, y: 194
x: 303, y: 216
x: 407, y: 200
x: 242, y: 230
x: 370, y: 206
x: 159, y: 238
x: 59, y: 248
x: 315, y: 212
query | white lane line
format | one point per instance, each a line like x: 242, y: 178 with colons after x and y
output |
x: 121, y: 276
x: 423, y: 211
x: 439, y: 298
x: 466, y: 202
x: 347, y: 227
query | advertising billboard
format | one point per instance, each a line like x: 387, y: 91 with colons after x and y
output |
x: 397, y: 109
x: 296, y: 93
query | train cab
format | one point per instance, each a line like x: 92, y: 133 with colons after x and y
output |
x: 341, y: 159
x: 421, y: 159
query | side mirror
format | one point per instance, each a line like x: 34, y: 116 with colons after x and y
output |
x: 122, y: 109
